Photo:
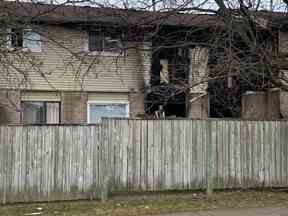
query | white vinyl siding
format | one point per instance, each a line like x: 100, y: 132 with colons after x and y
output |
x: 107, y: 96
x: 107, y: 74
x: 40, y: 96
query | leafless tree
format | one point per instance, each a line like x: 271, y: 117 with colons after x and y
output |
x: 242, y: 48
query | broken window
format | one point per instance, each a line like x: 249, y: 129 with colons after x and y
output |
x: 101, y: 41
x: 164, y: 73
x: 20, y: 38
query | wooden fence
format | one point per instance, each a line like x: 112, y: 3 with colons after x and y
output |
x: 185, y: 154
x: 46, y: 163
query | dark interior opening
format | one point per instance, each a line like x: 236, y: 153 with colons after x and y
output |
x: 169, y: 73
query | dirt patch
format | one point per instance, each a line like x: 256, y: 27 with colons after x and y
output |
x: 151, y: 203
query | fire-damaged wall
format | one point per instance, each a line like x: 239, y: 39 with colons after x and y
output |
x: 169, y: 78
x: 179, y: 82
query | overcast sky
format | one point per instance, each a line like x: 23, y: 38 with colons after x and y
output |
x: 265, y: 4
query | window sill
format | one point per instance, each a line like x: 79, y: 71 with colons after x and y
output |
x: 105, y: 53
x: 25, y: 50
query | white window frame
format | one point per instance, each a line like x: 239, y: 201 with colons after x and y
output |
x: 35, y: 49
x: 101, y: 53
x: 24, y: 49
x: 107, y: 103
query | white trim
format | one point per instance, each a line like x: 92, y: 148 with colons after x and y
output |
x: 23, y: 48
x: 107, y: 103
x: 107, y: 53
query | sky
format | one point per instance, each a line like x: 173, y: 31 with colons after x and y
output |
x: 146, y: 4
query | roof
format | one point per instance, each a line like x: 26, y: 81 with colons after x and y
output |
x: 84, y: 14
x: 277, y: 19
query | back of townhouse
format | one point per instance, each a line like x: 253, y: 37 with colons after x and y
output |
x: 65, y: 74
x: 62, y: 70
x: 71, y: 72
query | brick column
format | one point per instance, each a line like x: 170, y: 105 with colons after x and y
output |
x: 198, y: 99
x: 74, y: 107
x: 10, y: 107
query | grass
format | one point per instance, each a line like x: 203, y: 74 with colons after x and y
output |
x: 143, y: 204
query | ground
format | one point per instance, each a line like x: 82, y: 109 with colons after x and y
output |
x: 161, y: 203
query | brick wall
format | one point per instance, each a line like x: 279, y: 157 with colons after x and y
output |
x: 10, y: 112
x: 74, y: 107
x: 261, y: 105
x: 198, y: 107
x: 137, y: 104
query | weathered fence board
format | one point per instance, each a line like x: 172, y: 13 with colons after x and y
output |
x: 45, y: 163
x: 174, y: 154
x: 42, y: 163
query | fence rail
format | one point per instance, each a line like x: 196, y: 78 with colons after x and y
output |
x: 73, y: 162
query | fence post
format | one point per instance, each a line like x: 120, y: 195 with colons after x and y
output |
x: 209, y: 158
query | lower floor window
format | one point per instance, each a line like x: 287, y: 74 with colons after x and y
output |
x: 39, y: 112
x: 98, y: 110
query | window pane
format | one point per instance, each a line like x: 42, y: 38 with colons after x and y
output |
x: 31, y: 40
x: 112, y: 110
x: 112, y: 44
x: 52, y: 113
x: 34, y: 112
x: 16, y: 38
x: 95, y: 41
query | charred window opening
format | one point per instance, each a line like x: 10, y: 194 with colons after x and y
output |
x: 169, y: 74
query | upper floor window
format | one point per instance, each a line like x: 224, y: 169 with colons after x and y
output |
x: 101, y: 41
x: 24, y: 38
